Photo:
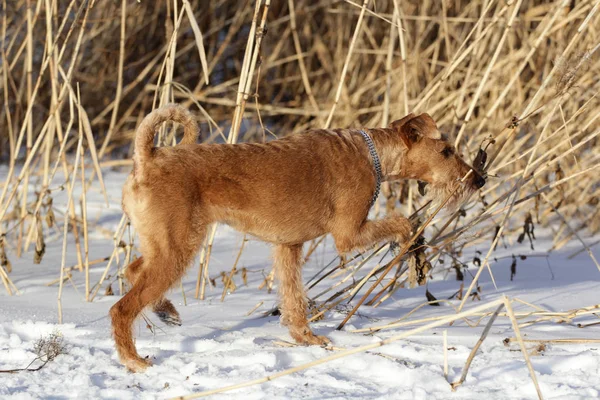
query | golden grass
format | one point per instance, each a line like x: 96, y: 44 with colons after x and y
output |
x: 518, y: 78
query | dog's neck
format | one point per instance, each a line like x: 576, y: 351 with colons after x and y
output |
x: 391, y: 151
x: 376, y: 165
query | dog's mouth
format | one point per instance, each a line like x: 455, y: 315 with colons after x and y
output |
x: 422, y: 187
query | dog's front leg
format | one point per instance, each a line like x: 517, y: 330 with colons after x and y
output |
x: 349, y: 237
x: 288, y: 265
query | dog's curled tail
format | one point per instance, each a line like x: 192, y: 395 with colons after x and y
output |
x: 144, y: 136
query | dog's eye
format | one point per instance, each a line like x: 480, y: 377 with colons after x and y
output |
x: 447, y: 152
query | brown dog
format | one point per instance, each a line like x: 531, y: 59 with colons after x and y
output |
x: 284, y: 192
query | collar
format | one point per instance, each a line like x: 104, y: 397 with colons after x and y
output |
x: 376, y: 165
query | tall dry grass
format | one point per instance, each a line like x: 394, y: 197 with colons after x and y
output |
x: 518, y: 78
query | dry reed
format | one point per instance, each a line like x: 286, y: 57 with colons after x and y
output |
x: 517, y: 78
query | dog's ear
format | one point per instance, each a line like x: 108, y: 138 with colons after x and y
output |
x: 397, y: 124
x: 423, y: 125
x: 408, y: 136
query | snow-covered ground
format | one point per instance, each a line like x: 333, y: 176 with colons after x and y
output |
x: 220, y: 345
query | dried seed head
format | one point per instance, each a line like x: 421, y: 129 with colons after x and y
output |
x: 49, y: 347
x: 40, y: 246
x: 412, y: 272
x: 245, y: 276
x: 50, y: 217
x: 4, y: 261
x: 569, y: 69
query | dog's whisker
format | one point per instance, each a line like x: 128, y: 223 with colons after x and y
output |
x: 458, y: 193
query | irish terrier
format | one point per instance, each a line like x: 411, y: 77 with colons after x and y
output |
x: 285, y: 192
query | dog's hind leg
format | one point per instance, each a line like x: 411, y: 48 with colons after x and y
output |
x: 158, y: 272
x: 288, y: 265
x: 163, y: 308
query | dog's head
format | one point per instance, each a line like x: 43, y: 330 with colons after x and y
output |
x: 432, y: 160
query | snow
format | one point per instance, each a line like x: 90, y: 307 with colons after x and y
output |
x: 220, y: 345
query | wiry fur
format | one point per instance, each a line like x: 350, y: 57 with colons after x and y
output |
x: 439, y: 193
x: 285, y: 192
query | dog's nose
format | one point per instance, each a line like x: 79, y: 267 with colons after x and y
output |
x: 478, y: 181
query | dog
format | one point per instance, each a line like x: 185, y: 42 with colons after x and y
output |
x: 285, y: 192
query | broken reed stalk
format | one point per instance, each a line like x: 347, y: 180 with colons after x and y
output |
x: 516, y: 190
x: 405, y: 248
x: 118, y: 235
x: 534, y: 47
x: 385, y: 118
x: 499, y: 304
x: 7, y: 282
x: 233, y: 269
x: 31, y: 102
x: 118, y: 94
x: 524, y: 173
x: 446, y: 75
x: 301, y: 64
x: 86, y: 258
x: 589, y: 251
x: 402, y: 41
x: 29, y: 125
x: 256, y: 307
x: 79, y: 267
x: 346, y: 265
x: 198, y: 37
x: 515, y: 326
x: 445, y: 344
x: 32, y: 149
x: 555, y: 341
x: 545, y: 315
x: 66, y: 223
x: 205, y: 259
x: 200, y: 279
x: 248, y: 66
x: 349, y: 352
x: 59, y: 157
x: 486, y: 74
x: 338, y: 92
x: 484, y: 334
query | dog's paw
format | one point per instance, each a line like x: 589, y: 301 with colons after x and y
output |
x: 402, y: 227
x: 138, y: 364
x: 308, y: 338
x: 319, y: 340
x: 166, y: 311
x: 168, y: 318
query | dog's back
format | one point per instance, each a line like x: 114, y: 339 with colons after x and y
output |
x: 292, y: 186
